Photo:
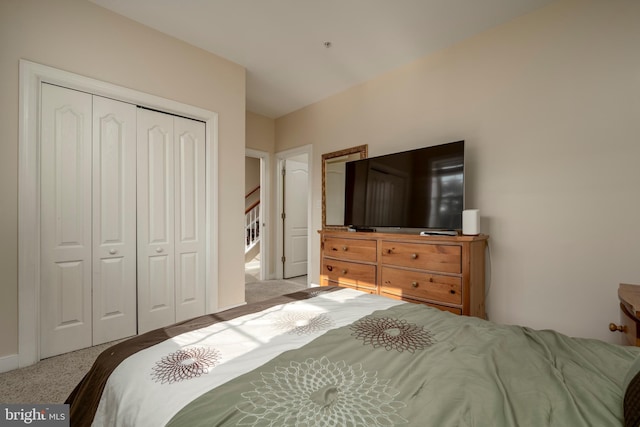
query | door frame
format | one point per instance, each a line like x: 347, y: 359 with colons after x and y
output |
x: 280, y: 160
x: 265, y: 190
x: 32, y: 75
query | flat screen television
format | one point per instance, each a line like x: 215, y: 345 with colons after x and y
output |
x: 416, y: 189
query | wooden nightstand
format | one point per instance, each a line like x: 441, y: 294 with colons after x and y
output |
x: 629, y: 296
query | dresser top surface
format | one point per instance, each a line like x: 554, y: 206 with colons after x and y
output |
x: 630, y: 294
x: 403, y: 236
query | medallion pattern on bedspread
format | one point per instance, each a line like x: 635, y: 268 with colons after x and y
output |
x: 320, y: 392
x: 392, y: 334
x: 302, y: 322
x: 185, y: 364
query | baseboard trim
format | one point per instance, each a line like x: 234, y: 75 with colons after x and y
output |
x: 9, y: 363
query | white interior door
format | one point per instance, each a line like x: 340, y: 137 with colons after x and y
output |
x: 189, y: 154
x: 155, y: 171
x: 65, y: 221
x: 295, y: 219
x: 114, y: 220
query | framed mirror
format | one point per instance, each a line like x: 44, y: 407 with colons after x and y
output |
x: 333, y: 175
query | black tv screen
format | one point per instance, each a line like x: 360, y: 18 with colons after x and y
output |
x: 421, y: 188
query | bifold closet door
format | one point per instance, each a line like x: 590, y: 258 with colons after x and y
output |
x: 122, y: 220
x: 88, y: 220
x: 171, y: 219
x: 114, y: 220
x: 190, y: 223
x: 65, y: 221
x: 156, y: 300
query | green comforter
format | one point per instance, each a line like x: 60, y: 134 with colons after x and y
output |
x: 418, y: 366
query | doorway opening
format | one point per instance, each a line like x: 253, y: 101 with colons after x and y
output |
x: 256, y: 236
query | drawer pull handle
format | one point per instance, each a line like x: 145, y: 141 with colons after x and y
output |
x: 414, y: 284
x: 344, y: 248
x: 344, y: 271
x: 620, y: 328
x: 414, y: 256
x: 389, y: 251
x: 431, y: 279
x: 452, y: 292
x: 329, y: 267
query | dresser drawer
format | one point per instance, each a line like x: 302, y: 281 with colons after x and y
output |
x: 434, y: 257
x: 350, y: 249
x: 351, y: 274
x: 421, y: 285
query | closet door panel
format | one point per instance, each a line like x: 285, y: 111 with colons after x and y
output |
x: 65, y: 218
x: 114, y: 220
x: 155, y: 170
x: 189, y: 217
x: 160, y: 274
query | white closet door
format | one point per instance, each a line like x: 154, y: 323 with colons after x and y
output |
x: 65, y: 269
x: 156, y: 299
x: 190, y: 218
x: 114, y: 220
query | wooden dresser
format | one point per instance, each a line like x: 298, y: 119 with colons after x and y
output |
x: 441, y: 271
x: 629, y: 296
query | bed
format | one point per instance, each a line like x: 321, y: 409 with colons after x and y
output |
x: 339, y: 357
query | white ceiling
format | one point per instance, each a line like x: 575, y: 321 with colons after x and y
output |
x: 281, y: 42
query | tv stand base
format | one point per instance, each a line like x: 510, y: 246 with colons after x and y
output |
x: 439, y: 233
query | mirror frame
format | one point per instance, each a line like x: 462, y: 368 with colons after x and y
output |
x: 363, y: 151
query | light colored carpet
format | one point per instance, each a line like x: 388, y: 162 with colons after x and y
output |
x: 52, y: 380
x: 260, y: 291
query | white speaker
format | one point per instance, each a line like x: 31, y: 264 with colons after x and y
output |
x: 471, y: 222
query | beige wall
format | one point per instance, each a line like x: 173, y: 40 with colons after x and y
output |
x: 549, y: 105
x: 260, y: 132
x: 251, y: 174
x: 78, y: 36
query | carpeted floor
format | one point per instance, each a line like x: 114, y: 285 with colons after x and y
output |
x: 51, y: 380
x: 260, y: 291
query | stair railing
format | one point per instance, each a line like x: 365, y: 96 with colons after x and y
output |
x: 252, y: 222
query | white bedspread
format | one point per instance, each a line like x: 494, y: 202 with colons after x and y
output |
x: 145, y: 390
